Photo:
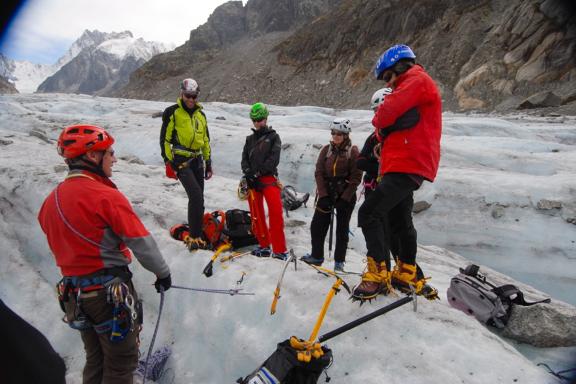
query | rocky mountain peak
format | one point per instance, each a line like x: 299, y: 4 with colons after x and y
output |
x: 486, y: 56
x: 232, y: 21
x: 100, y: 62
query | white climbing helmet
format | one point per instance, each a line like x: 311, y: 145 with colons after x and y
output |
x: 378, y: 97
x: 341, y: 124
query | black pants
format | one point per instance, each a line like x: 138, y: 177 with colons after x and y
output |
x: 386, y: 215
x: 320, y: 226
x: 192, y: 178
x: 393, y: 232
x: 26, y: 355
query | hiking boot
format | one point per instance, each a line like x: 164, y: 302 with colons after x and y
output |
x: 312, y: 260
x: 281, y: 256
x: 195, y: 243
x: 375, y: 280
x: 262, y: 252
x: 339, y: 266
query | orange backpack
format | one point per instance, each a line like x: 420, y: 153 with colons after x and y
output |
x: 213, y: 226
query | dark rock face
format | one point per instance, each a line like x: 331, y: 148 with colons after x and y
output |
x: 488, y: 55
x: 541, y: 100
x: 6, y: 87
x: 226, y: 25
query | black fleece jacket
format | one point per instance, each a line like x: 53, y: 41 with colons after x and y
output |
x: 261, y: 154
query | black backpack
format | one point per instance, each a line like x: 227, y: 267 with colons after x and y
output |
x: 238, y: 228
x: 283, y: 367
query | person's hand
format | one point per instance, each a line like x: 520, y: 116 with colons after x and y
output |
x: 163, y: 284
x: 324, y: 204
x: 251, y: 180
x: 170, y: 173
x: 341, y: 204
x: 208, y: 170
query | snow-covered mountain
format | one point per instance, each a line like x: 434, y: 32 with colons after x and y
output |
x: 25, y: 76
x: 106, y: 60
x: 490, y: 164
x: 99, y: 63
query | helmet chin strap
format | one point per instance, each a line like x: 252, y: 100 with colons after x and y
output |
x: 89, y: 165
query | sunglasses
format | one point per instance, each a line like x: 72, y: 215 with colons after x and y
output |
x: 190, y: 95
x: 337, y: 133
x: 387, y: 76
x: 257, y: 120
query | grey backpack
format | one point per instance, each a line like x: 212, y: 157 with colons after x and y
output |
x: 471, y: 293
x: 291, y: 199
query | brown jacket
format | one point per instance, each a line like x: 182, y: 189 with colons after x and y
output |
x: 336, y: 173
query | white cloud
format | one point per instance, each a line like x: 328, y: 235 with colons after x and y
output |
x: 45, y: 23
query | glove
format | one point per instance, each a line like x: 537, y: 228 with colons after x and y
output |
x: 252, y: 181
x: 324, y: 204
x: 341, y: 204
x: 208, y: 170
x: 170, y: 173
x: 164, y: 283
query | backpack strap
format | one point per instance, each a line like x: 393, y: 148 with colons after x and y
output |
x: 509, y: 290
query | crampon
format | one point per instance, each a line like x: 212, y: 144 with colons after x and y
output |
x: 420, y: 288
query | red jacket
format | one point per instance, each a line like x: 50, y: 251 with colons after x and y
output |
x: 415, y: 150
x: 96, y: 210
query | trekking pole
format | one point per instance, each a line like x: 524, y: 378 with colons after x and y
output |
x: 208, y: 268
x: 330, y: 237
x: 154, y: 335
x: 364, y: 319
x: 230, y: 292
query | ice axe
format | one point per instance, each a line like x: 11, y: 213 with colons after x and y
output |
x: 208, y: 268
x: 311, y: 348
x: 364, y: 319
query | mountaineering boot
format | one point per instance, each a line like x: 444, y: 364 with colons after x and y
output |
x: 312, y: 260
x: 281, y: 255
x: 195, y: 243
x: 262, y: 252
x: 404, y: 273
x: 375, y: 280
x: 339, y: 266
x: 405, y: 278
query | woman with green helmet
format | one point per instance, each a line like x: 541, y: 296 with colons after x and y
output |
x: 260, y: 159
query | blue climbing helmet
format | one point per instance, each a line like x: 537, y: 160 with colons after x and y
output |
x: 391, y: 57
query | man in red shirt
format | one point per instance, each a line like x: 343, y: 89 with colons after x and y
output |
x: 408, y: 157
x: 93, y: 232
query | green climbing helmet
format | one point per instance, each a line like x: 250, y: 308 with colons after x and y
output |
x: 258, y: 112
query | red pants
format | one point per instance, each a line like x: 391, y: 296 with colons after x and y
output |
x: 274, y: 233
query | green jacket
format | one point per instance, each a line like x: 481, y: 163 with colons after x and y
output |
x: 184, y: 133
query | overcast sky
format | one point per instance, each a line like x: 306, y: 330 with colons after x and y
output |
x: 43, y: 30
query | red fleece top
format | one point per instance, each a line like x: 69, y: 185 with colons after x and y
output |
x: 415, y: 150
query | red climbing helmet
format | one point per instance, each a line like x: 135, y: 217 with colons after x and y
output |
x: 76, y: 140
